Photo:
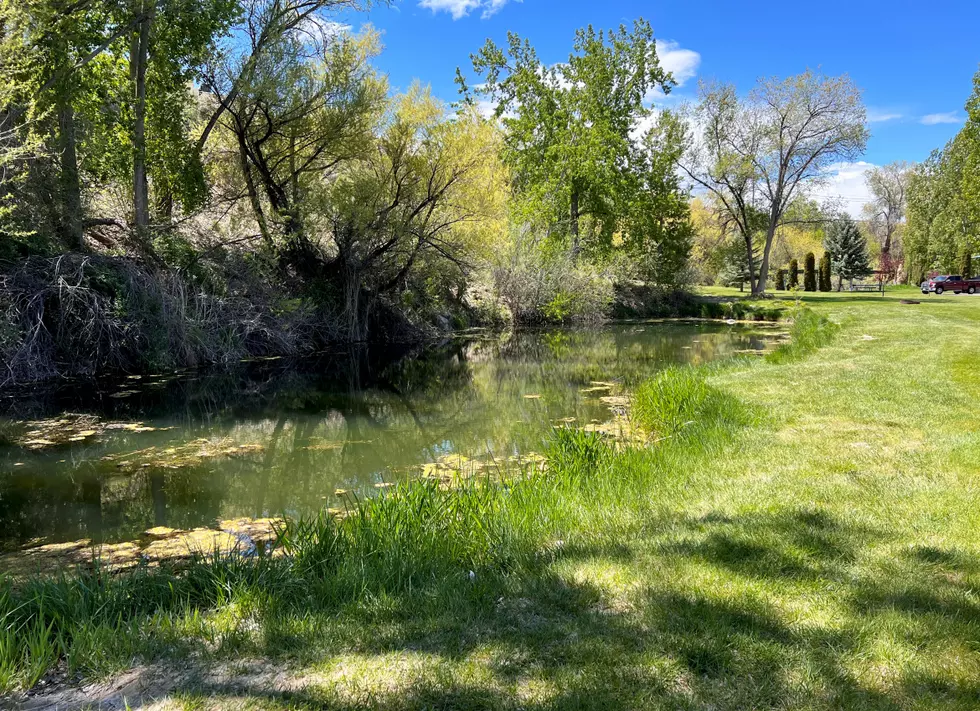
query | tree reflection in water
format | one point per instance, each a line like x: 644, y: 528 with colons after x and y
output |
x: 348, y: 420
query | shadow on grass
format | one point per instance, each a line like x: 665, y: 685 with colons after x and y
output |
x: 551, y: 640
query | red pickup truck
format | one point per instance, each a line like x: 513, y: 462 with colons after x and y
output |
x: 955, y: 283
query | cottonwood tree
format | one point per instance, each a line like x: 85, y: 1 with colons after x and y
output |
x: 755, y: 154
x: 568, y: 126
x: 657, y: 233
x: 886, y: 210
x: 943, y: 219
x: 112, y: 80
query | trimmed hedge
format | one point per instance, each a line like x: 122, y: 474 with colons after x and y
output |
x: 810, y: 272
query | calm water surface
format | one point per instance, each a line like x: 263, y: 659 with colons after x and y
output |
x: 105, y: 461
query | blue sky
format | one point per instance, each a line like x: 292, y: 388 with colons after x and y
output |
x: 914, y: 60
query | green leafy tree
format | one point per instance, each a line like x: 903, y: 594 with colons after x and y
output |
x: 810, y: 272
x: 848, y: 249
x: 399, y: 216
x: 780, y: 280
x: 794, y: 274
x: 303, y: 115
x: 112, y: 79
x: 943, y: 200
x: 568, y: 127
x: 656, y: 231
x: 755, y: 154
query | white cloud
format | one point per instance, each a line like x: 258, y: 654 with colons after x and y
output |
x: 879, y: 116
x: 682, y: 63
x: 948, y: 117
x: 844, y: 184
x: 462, y: 8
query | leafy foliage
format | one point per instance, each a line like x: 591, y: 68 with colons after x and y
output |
x: 944, y: 201
x: 580, y: 171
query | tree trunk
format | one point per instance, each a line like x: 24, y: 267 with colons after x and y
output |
x: 138, y: 64
x: 253, y: 193
x: 356, y: 330
x: 71, y: 187
x: 574, y: 216
x: 750, y: 260
x: 760, y: 286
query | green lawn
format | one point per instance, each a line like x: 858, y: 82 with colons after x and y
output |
x: 813, y: 544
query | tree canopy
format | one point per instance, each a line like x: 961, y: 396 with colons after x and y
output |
x: 590, y: 164
x: 756, y: 154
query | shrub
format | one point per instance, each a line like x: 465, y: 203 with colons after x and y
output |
x: 781, y: 280
x: 794, y: 274
x: 810, y: 272
x: 544, y: 283
x: 825, y: 283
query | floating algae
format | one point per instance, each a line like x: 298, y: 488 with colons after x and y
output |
x: 620, y: 430
x: 158, y: 545
x: 71, y: 428
x: 615, y: 400
x: 596, y: 389
x: 188, y: 454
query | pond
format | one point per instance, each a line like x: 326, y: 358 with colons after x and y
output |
x: 105, y: 461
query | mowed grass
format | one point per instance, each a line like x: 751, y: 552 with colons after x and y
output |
x: 803, y: 536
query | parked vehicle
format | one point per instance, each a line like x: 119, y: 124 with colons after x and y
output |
x: 952, y: 282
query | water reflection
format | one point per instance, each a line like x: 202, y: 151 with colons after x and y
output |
x: 188, y: 449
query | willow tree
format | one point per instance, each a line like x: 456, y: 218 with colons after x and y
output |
x: 568, y: 126
x: 408, y: 211
x: 756, y: 154
x: 310, y: 106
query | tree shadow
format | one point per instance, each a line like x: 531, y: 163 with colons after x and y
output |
x: 546, y: 639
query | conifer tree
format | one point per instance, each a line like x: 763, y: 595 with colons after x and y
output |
x: 848, y: 251
x: 825, y: 280
x: 810, y: 272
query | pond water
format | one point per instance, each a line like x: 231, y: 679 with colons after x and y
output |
x: 107, y: 460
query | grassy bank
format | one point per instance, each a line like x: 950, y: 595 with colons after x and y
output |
x: 803, y: 535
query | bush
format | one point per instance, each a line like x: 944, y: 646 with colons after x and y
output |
x: 542, y: 287
x: 825, y: 283
x: 781, y: 280
x: 794, y: 274
x: 83, y: 315
x: 810, y: 272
